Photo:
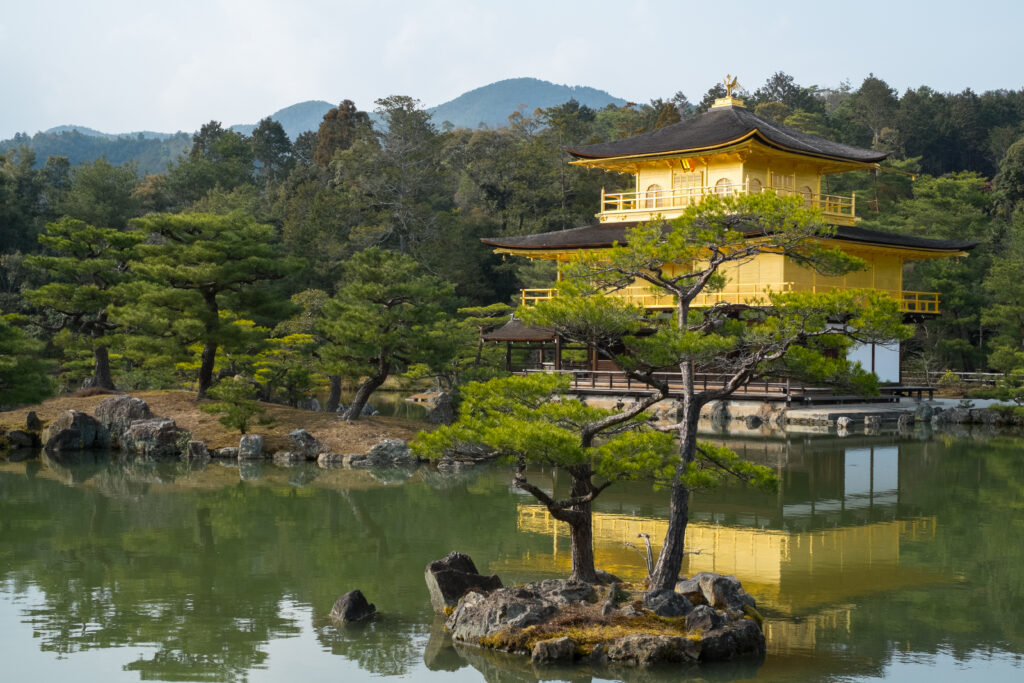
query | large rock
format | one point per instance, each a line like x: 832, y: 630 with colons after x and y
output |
x: 742, y: 638
x: 250, y: 447
x: 647, y: 649
x: 667, y: 603
x: 723, y: 592
x: 17, y: 438
x: 197, y: 450
x: 305, y: 444
x: 117, y: 413
x: 690, y: 589
x: 478, y: 616
x: 352, y: 606
x: 158, y: 437
x: 443, y: 412
x: 449, y: 578
x: 704, y: 618
x: 74, y: 431
x: 32, y: 422
x: 553, y: 651
x: 924, y: 412
x: 390, y: 452
x: 229, y: 452
x: 564, y: 591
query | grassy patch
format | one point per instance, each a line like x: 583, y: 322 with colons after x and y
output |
x: 587, y: 627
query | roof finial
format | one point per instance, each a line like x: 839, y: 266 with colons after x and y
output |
x: 731, y: 83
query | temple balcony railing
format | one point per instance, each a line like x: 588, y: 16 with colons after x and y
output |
x: 644, y: 206
x: 752, y: 294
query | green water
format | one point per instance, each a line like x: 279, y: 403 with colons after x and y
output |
x: 883, y: 557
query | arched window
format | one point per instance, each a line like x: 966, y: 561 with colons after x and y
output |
x: 723, y: 187
x: 754, y: 186
x: 655, y: 198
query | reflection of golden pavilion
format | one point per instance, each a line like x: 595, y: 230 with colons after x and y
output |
x: 796, y: 573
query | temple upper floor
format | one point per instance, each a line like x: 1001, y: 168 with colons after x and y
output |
x: 728, y: 150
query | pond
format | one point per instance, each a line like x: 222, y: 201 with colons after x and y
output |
x: 888, y: 557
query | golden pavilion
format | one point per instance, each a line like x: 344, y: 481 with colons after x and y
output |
x: 730, y: 150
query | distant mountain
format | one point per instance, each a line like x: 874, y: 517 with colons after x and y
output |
x: 489, y: 106
x: 492, y: 104
x: 92, y: 132
x: 295, y: 120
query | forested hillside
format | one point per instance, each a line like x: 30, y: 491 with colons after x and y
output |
x: 88, y: 288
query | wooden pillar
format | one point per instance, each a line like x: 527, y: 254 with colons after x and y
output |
x: 508, y: 356
x: 558, y: 353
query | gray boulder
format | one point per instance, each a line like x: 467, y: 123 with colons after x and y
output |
x: 250, y: 447
x: 443, y: 412
x: 17, y: 438
x: 230, y: 452
x: 741, y: 638
x: 752, y: 421
x: 478, y: 615
x: 924, y: 412
x: 305, y: 444
x: 564, y: 591
x: 352, y: 606
x: 553, y: 651
x: 158, y: 437
x: 451, y: 577
x: 723, y: 592
x: 646, y: 649
x: 74, y: 431
x: 843, y: 423
x: 390, y: 452
x: 197, y: 450
x: 117, y: 413
x: 704, y: 618
x: 690, y: 589
x: 32, y: 422
x: 667, y: 603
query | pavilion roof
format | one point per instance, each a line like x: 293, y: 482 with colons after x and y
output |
x: 721, y: 127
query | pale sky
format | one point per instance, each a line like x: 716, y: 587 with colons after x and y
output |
x: 126, y: 65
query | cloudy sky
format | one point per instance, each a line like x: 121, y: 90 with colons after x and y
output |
x: 125, y: 65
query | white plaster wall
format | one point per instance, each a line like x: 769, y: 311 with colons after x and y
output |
x: 886, y: 362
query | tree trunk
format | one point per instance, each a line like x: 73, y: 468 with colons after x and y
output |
x: 581, y: 535
x: 101, y: 368
x: 355, y: 410
x: 670, y: 560
x: 206, y: 368
x: 334, y: 398
x: 210, y: 348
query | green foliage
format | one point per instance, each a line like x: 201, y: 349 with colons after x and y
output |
x: 236, y: 399
x: 385, y: 318
x: 24, y: 374
x: 286, y: 368
x: 86, y: 265
x: 528, y: 419
x: 102, y: 194
x: 193, y: 268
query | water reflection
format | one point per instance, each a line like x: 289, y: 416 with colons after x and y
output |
x: 871, y: 547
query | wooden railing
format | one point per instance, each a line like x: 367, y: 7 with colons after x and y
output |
x: 761, y: 388
x: 752, y: 294
x: 835, y: 206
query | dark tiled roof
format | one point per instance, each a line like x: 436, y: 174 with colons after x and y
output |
x: 721, y: 126
x: 601, y: 235
x: 515, y: 330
